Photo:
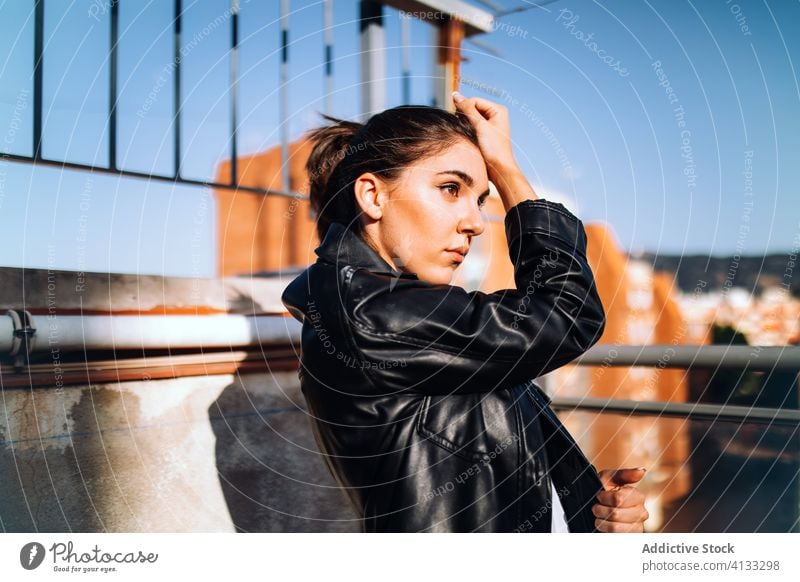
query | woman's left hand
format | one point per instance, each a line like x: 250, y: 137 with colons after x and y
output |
x: 620, y: 506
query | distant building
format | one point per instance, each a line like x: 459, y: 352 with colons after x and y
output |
x: 773, y: 319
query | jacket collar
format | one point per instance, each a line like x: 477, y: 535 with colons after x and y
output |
x: 341, y: 246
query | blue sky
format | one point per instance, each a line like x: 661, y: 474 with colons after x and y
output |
x: 673, y: 122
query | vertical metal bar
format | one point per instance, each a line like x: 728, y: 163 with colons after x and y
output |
x: 284, y: 95
x: 328, y: 24
x: 438, y: 69
x: 112, y: 97
x: 233, y: 88
x: 373, y: 58
x: 176, y: 96
x: 451, y: 34
x: 405, y: 42
x: 38, y: 51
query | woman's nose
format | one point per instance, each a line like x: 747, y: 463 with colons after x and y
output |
x: 472, y: 222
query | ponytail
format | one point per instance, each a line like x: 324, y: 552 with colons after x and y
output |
x: 331, y: 146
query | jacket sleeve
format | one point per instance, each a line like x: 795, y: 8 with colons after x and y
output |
x: 440, y: 339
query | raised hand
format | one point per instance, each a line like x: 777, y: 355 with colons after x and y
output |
x: 620, y: 506
x: 491, y: 124
x: 490, y: 121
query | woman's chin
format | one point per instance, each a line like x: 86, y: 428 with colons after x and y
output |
x: 438, y: 275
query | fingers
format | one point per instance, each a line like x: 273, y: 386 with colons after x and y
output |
x: 626, y: 496
x: 489, y: 109
x: 480, y: 109
x: 620, y: 506
x: 620, y: 519
x: 618, y: 477
x: 636, y: 514
x: 467, y: 107
x: 616, y: 527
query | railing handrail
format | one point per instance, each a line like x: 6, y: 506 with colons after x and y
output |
x: 762, y: 358
x: 176, y: 180
x: 713, y: 412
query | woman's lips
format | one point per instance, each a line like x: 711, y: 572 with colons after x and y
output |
x: 455, y: 256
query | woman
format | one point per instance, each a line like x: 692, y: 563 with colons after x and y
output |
x: 420, y: 394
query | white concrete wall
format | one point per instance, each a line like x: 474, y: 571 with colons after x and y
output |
x: 202, y: 454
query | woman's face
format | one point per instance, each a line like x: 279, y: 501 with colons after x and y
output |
x: 424, y: 221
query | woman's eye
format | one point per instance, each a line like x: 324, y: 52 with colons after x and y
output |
x: 452, y: 188
x: 481, y: 202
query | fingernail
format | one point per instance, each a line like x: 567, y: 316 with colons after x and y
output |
x: 457, y: 96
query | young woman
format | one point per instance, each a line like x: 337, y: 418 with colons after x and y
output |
x: 420, y: 394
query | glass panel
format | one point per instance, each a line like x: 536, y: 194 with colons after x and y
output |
x: 260, y: 58
x: 75, y: 82
x: 95, y: 222
x: 393, y: 56
x: 162, y: 229
x: 306, y: 67
x: 346, y: 60
x: 702, y: 476
x: 16, y: 90
x: 145, y: 136
x: 259, y: 66
x: 205, y: 88
x: 422, y: 62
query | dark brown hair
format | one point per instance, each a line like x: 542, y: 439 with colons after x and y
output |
x: 385, y: 145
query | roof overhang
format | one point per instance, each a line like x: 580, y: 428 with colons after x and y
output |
x: 476, y: 21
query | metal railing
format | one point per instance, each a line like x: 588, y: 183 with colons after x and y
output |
x: 711, y: 412
x: 112, y: 167
x: 710, y: 357
x: 475, y: 20
x: 753, y: 358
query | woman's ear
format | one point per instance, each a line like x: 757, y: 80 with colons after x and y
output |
x: 371, y: 195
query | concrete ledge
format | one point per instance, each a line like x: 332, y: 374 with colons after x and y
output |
x: 69, y: 292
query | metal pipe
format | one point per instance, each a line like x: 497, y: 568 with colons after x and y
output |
x: 234, y: 81
x: 38, y: 75
x: 405, y: 65
x: 693, y: 411
x: 694, y: 356
x: 373, y: 58
x: 328, y: 26
x: 284, y: 95
x: 225, y: 330
x: 56, y: 373
x: 176, y: 89
x: 63, y: 165
x: 124, y: 332
x: 112, y: 87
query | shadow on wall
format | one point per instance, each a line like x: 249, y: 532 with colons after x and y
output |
x: 272, y: 475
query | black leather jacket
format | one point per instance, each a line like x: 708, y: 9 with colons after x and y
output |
x: 421, y: 396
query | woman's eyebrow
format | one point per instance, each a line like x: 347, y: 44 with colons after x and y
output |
x: 464, y: 176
